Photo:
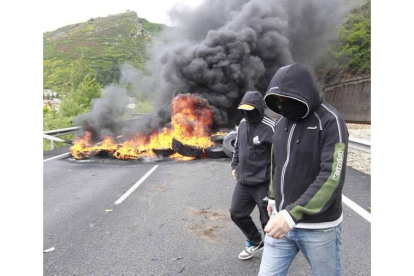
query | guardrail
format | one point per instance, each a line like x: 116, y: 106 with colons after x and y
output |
x: 63, y: 131
x: 53, y: 135
x: 359, y: 144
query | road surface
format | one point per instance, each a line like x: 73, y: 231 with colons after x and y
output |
x: 173, y: 222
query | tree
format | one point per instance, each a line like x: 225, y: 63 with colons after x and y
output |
x: 87, y: 90
x: 110, y: 75
x: 355, y: 37
x: 79, y: 69
x: 80, y: 100
x: 351, y: 53
x: 70, y: 109
x: 54, y: 74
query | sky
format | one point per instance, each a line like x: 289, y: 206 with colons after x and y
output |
x: 56, y: 14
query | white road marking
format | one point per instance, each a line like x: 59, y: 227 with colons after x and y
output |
x: 358, y: 209
x: 136, y: 185
x: 56, y: 157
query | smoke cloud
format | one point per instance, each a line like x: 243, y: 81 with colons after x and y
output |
x: 103, y: 119
x: 220, y: 50
x: 223, y: 49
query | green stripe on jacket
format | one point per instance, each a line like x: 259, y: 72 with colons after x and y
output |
x: 271, y: 192
x: 322, y: 196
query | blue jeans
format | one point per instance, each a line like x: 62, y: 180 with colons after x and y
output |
x: 321, y: 247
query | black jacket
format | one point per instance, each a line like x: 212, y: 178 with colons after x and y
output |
x: 251, y: 157
x: 310, y: 153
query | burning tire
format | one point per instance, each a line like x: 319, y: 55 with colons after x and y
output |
x: 104, y: 153
x: 186, y: 150
x: 218, y: 138
x: 160, y: 153
x: 215, y: 152
x: 228, y: 144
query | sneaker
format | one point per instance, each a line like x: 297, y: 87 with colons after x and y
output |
x: 250, y: 250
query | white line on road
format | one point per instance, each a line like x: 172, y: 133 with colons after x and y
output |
x: 360, y: 211
x: 122, y: 198
x: 56, y: 157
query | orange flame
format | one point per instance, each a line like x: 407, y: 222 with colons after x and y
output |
x: 191, y: 122
x: 108, y: 145
x: 178, y: 156
x: 192, y: 119
x: 81, y: 147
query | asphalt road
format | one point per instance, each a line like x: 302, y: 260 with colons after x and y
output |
x: 175, y: 223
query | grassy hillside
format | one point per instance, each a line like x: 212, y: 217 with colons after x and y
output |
x: 104, y: 43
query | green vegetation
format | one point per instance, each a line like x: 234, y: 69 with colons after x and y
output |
x: 83, y: 89
x: 351, y: 53
x: 355, y: 47
x: 102, y: 43
x: 151, y: 27
x: 79, y: 59
x: 87, y: 90
x: 55, y: 120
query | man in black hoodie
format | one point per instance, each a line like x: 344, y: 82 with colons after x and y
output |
x: 251, y: 167
x: 310, y: 150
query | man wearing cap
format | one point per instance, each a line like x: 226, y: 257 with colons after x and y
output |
x: 251, y: 167
x: 308, y: 176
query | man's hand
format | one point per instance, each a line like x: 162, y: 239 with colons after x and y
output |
x: 233, y: 172
x: 277, y: 227
x: 270, y: 208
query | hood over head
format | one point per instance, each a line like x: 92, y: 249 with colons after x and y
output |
x: 295, y: 83
x: 253, y: 98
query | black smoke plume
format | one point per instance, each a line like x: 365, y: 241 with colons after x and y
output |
x: 226, y: 48
x: 222, y: 49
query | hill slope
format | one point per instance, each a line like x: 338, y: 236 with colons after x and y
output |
x: 104, y: 43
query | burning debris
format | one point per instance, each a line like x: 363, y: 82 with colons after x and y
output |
x: 191, y: 123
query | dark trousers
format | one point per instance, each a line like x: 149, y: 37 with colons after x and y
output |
x: 245, y: 198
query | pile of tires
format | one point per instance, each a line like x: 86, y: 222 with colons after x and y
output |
x: 223, y: 148
x: 216, y: 151
x: 228, y: 143
x: 162, y: 153
x: 186, y: 150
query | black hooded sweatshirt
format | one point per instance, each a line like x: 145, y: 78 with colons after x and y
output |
x: 251, y: 157
x: 310, y: 145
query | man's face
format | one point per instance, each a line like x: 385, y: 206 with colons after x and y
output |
x: 279, y: 101
x: 290, y: 108
x: 280, y: 98
x: 251, y: 115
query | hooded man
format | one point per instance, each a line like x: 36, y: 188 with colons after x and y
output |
x: 308, y: 167
x: 251, y: 167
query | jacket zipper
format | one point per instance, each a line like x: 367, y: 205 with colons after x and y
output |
x: 282, y: 179
x: 241, y: 168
